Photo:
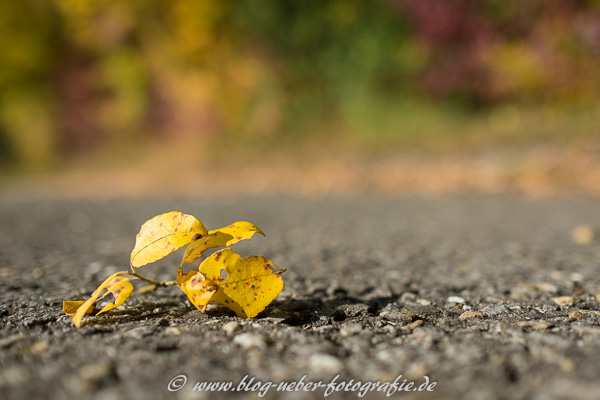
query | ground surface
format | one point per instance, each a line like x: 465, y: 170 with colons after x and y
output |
x: 490, y: 297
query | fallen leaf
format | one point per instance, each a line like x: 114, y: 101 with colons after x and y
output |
x: 236, y: 232
x: 121, y: 288
x: 250, y: 283
x: 198, y: 289
x: 71, y: 307
x: 163, y: 235
x: 109, y: 285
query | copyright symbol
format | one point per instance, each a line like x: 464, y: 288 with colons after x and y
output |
x: 177, y: 383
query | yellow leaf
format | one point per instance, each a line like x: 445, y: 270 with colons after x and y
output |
x: 121, y: 288
x: 95, y: 296
x: 251, y: 283
x: 71, y: 307
x: 163, y: 235
x: 197, y: 288
x: 221, y: 298
x: 227, y: 236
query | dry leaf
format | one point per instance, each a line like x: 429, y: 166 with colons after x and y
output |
x: 163, y: 235
x: 109, y: 285
x: 197, y: 288
x: 71, y: 307
x: 121, y: 288
x: 227, y: 236
x: 251, y: 283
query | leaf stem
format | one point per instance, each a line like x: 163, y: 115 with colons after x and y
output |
x: 152, y: 281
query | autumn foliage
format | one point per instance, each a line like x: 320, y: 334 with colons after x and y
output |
x: 245, y: 285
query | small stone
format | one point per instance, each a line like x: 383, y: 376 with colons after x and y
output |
x: 493, y: 310
x: 403, y: 316
x: 390, y: 330
x: 172, y: 330
x: 384, y: 356
x: 582, y: 234
x: 470, y: 315
x: 416, y: 371
x: 582, y: 314
x: 139, y: 333
x: 323, y: 328
x: 350, y: 329
x: 549, y: 308
x: 407, y: 297
x: 576, y: 277
x: 93, y: 374
x: 455, y: 299
x: 415, y: 324
x: 111, y: 352
x: 325, y: 363
x: 564, y: 301
x: 39, y: 347
x: 231, y: 327
x: 355, y: 310
x: 576, y: 315
x: 535, y: 325
x: 250, y: 340
x: 423, y: 302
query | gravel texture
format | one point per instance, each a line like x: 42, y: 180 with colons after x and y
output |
x: 490, y: 297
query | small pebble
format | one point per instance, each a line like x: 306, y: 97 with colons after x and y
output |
x: 576, y: 277
x: 350, y: 329
x: 93, y: 374
x: 139, y: 333
x: 407, y: 297
x: 423, y: 302
x: 455, y: 299
x: 471, y: 315
x: 250, y: 340
x: 39, y: 347
x: 564, y: 301
x: 582, y: 314
x: 415, y: 324
x: 549, y: 308
x: 493, y: 310
x: 576, y: 315
x: 535, y: 325
x: 231, y: 327
x: 325, y: 363
x: 172, y: 330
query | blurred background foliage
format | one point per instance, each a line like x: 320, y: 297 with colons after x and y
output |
x: 81, y: 78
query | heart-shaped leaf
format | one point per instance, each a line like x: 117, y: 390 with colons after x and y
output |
x: 251, y: 282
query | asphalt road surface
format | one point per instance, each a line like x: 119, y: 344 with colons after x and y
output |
x: 467, y: 297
